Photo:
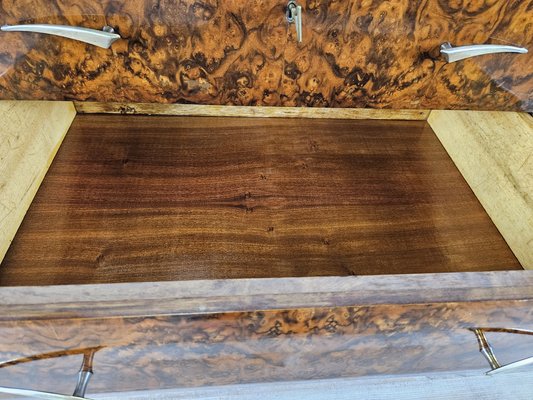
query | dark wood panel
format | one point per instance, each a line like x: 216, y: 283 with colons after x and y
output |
x: 132, y: 198
x: 214, y: 349
x: 354, y: 54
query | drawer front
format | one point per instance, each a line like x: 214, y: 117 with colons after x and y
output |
x: 169, y: 351
x: 387, y: 53
x: 353, y: 54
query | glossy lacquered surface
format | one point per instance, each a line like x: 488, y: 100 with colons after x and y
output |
x: 353, y: 54
x: 158, y: 352
x: 132, y: 198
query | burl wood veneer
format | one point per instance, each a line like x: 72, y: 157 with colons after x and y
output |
x: 198, y: 333
x: 380, y: 54
x: 158, y: 352
x: 132, y: 198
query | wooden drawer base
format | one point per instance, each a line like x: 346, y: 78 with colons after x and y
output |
x: 132, y: 199
x: 162, y: 219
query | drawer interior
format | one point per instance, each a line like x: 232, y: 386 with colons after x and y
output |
x: 159, y: 198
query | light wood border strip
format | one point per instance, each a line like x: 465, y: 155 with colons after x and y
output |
x: 247, y: 111
x: 30, y: 135
x: 221, y: 296
x: 460, y: 385
x: 494, y: 152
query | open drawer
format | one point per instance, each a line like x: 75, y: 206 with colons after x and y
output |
x: 168, y: 251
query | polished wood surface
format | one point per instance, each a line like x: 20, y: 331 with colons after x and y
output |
x: 371, y: 54
x: 30, y: 135
x: 493, y: 150
x: 167, y: 351
x: 368, y: 325
x: 132, y: 198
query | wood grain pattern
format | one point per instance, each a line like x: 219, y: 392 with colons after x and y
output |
x: 244, y: 111
x: 132, y: 198
x: 370, y: 54
x: 494, y: 152
x: 261, y: 346
x: 30, y: 134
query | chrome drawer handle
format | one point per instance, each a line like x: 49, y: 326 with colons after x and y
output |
x: 104, y: 38
x: 452, y: 54
x: 486, y: 349
x: 294, y: 16
x: 84, y: 376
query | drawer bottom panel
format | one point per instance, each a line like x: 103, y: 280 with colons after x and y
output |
x: 137, y: 198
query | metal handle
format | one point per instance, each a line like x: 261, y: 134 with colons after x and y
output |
x: 85, y: 373
x: 452, y: 54
x: 84, y: 376
x: 294, y: 16
x: 104, y: 38
x: 486, y: 349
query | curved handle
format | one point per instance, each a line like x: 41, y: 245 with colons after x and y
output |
x: 84, y: 376
x: 294, y: 16
x: 486, y: 349
x: 104, y: 38
x: 452, y: 54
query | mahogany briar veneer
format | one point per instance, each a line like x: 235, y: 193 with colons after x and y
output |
x: 376, y: 54
x: 160, y: 352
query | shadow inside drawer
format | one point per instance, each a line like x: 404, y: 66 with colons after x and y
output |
x: 136, y: 198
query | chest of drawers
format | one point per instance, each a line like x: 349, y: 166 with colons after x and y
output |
x: 196, y: 247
